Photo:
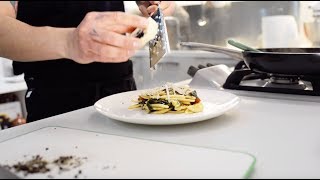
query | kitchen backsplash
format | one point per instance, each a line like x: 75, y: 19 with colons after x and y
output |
x: 214, y: 22
x: 238, y: 20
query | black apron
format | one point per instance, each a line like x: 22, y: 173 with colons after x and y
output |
x: 59, y: 86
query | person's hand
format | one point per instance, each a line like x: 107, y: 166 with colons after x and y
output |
x: 147, y: 8
x: 101, y: 37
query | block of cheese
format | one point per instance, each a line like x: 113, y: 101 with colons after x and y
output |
x: 148, y: 34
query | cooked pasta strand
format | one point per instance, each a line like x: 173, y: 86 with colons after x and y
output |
x: 135, y: 106
x: 161, y: 112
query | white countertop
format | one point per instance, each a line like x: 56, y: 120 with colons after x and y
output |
x: 7, y: 87
x: 283, y: 135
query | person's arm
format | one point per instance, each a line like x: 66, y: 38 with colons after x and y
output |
x: 99, y: 37
x: 21, y: 42
x: 147, y: 8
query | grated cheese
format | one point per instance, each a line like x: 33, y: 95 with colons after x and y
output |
x: 168, y: 93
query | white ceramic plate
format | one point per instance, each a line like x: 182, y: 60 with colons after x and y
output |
x: 116, y: 106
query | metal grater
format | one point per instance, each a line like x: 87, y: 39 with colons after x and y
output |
x: 159, y: 46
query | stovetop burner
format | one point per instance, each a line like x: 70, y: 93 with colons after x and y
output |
x: 242, y: 78
x: 294, y: 80
x: 288, y: 82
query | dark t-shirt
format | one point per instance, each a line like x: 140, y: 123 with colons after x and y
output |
x: 62, y: 85
x: 67, y: 14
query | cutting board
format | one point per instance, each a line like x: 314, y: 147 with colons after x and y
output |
x: 110, y: 156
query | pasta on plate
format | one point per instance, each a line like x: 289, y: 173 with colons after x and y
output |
x: 169, y: 99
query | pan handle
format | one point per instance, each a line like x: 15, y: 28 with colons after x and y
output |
x: 237, y: 55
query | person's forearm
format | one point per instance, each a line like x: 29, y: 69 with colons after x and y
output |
x: 22, y: 42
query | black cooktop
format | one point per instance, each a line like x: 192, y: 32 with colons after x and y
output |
x: 242, y: 78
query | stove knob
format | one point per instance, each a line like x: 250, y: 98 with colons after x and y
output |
x: 192, y: 71
x: 201, y: 66
x: 209, y: 64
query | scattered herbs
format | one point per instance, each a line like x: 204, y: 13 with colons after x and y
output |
x: 38, y: 164
x: 66, y: 163
x: 157, y: 101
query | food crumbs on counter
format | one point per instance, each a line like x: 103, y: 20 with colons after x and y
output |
x: 105, y: 168
x: 77, y: 175
x: 47, y: 149
x: 38, y: 165
x: 66, y: 163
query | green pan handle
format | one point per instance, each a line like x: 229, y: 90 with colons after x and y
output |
x: 242, y: 46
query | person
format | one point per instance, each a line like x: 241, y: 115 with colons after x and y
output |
x: 72, y: 53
